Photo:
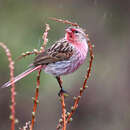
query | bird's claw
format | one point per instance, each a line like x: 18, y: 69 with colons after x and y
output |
x: 62, y: 91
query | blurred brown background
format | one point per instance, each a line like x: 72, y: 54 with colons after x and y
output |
x: 106, y: 103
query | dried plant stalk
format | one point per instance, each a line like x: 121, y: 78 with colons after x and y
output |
x: 63, y: 111
x: 23, y: 55
x: 35, y: 51
x: 35, y: 100
x: 62, y: 123
x: 64, y: 21
x: 44, y: 37
x: 13, y: 93
x: 38, y: 77
x: 73, y: 108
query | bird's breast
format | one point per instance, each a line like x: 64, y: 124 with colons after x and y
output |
x: 67, y: 66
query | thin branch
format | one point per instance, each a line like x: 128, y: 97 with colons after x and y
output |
x: 38, y: 78
x: 23, y: 55
x: 64, y: 21
x: 13, y: 93
x: 35, y: 51
x: 44, y: 37
x: 63, y: 111
x: 35, y: 100
x: 73, y: 108
x: 62, y: 122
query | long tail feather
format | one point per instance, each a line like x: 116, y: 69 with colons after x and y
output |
x: 20, y: 76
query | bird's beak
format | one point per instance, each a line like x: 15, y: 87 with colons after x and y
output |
x: 68, y: 30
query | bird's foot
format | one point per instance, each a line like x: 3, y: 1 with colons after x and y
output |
x: 62, y: 91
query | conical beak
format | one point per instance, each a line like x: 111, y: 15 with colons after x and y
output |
x: 68, y: 30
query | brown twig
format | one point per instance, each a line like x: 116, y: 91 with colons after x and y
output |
x: 35, y: 51
x: 35, y: 100
x: 64, y: 21
x: 62, y: 122
x: 63, y: 111
x: 38, y: 78
x: 44, y: 37
x: 23, y: 55
x: 73, y: 108
x: 13, y: 93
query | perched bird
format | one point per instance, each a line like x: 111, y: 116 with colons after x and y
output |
x: 62, y: 58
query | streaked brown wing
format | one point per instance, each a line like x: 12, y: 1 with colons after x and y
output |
x: 59, y: 51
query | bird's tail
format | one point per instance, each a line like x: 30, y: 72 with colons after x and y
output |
x: 20, y: 76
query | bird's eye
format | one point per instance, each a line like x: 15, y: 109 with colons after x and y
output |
x: 76, y: 31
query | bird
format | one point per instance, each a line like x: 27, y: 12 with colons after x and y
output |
x: 64, y: 56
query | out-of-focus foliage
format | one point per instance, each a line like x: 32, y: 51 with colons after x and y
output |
x: 106, y: 103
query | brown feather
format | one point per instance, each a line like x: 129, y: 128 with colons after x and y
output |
x: 59, y: 51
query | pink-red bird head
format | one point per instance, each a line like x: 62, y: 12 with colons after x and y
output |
x: 75, y: 35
